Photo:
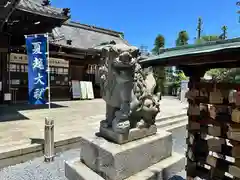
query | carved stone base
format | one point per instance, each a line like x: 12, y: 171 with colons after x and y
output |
x: 133, y: 134
x: 101, y: 159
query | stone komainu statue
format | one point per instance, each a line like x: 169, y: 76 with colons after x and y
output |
x: 127, y: 89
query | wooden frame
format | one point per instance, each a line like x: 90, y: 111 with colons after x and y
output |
x: 212, y: 142
x: 213, y: 123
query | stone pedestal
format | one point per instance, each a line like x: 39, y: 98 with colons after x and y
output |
x: 101, y: 159
x: 133, y: 134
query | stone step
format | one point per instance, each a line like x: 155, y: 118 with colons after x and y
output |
x: 173, y: 127
x: 74, y: 171
x: 169, y: 117
x: 159, y: 118
x: 162, y: 121
x: 170, y: 121
x: 164, y: 169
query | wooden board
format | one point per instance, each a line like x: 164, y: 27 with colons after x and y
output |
x: 76, y: 89
x: 83, y: 90
x: 89, y: 86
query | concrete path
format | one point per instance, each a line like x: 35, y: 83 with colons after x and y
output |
x: 22, y: 128
x: 38, y: 170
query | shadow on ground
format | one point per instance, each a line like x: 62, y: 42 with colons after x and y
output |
x: 37, y: 141
x: 11, y: 112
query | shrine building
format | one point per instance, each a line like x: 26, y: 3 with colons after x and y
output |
x: 72, y: 53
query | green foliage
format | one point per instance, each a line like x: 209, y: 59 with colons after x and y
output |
x: 160, y: 76
x: 182, y: 38
x: 158, y: 43
x: 224, y: 33
x: 178, y: 78
x: 208, y: 38
x: 159, y: 72
x: 217, y: 74
x: 199, y: 41
x: 175, y: 82
x: 225, y: 74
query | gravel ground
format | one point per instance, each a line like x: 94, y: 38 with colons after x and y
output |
x: 37, y: 170
x: 179, y: 140
x: 179, y: 145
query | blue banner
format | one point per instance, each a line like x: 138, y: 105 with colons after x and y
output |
x: 36, y: 46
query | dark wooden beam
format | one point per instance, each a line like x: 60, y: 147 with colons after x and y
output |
x: 4, y: 50
x: 7, y: 7
x: 220, y: 57
x: 22, y: 23
x: 193, y: 71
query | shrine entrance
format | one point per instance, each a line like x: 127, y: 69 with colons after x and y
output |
x: 213, y: 143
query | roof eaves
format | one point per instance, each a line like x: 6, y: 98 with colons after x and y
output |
x: 206, y: 44
x: 36, y: 8
x: 197, y: 49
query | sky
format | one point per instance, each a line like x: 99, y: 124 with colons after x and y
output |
x: 141, y: 21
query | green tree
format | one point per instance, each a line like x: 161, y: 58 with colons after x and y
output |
x: 159, y: 72
x: 207, y: 38
x: 218, y: 74
x: 158, y: 43
x: 182, y: 38
x: 210, y: 38
x: 176, y: 78
x: 224, y: 33
x: 178, y: 75
x: 231, y: 75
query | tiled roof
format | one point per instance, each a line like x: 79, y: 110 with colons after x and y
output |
x: 84, y: 36
x: 36, y: 7
x: 6, y: 7
x: 188, y: 50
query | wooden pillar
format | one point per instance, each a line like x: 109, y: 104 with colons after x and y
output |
x: 4, y: 58
x: 194, y: 154
x: 5, y: 77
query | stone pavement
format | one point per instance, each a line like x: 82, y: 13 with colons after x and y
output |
x: 38, y: 170
x: 20, y: 126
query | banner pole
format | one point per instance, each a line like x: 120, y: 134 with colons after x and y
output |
x: 49, y: 89
x: 49, y: 122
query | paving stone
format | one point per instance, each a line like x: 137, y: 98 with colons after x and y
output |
x: 73, y: 118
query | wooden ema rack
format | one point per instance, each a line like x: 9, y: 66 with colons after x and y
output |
x: 213, y: 132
